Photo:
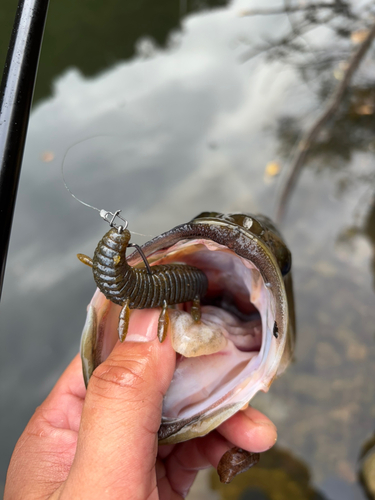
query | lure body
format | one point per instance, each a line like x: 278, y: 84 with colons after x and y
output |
x: 140, y: 288
x: 173, y: 283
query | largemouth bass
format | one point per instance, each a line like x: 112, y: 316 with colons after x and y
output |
x: 246, y: 329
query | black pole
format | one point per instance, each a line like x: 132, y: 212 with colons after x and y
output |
x: 16, y: 93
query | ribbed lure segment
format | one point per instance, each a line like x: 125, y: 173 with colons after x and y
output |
x: 174, y: 283
x: 112, y: 274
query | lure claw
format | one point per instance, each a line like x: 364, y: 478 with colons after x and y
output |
x: 163, y: 322
x: 123, y: 323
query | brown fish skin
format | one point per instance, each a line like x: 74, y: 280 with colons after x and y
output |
x: 235, y: 461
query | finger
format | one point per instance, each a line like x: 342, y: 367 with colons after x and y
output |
x: 164, y: 485
x: 250, y: 430
x: 71, y: 381
x: 189, y: 457
x: 121, y: 416
x: 165, y: 450
x: 63, y: 406
x: 45, y: 451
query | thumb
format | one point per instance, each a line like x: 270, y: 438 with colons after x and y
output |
x: 117, y: 440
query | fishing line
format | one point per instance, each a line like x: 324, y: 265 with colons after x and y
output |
x: 107, y: 216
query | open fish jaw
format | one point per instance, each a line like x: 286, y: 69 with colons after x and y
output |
x: 241, y: 354
x: 208, y: 389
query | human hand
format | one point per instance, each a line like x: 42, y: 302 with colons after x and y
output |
x: 102, y: 443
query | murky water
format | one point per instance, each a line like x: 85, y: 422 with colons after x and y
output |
x: 163, y: 120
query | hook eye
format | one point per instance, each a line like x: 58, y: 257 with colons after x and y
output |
x: 110, y: 218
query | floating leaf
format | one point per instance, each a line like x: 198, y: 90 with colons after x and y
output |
x: 48, y: 156
x: 359, y: 36
x: 272, y: 169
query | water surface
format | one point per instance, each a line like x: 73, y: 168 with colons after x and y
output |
x: 165, y: 120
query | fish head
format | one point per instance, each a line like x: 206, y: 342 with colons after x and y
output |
x: 246, y: 334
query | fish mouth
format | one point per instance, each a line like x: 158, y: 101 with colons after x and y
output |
x: 245, y: 310
x: 222, y: 373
